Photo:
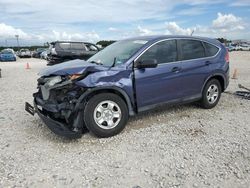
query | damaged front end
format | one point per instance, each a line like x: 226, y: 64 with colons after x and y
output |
x: 58, y: 103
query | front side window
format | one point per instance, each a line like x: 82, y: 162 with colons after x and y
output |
x: 191, y: 49
x: 163, y: 52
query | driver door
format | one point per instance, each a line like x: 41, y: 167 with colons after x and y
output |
x: 162, y: 83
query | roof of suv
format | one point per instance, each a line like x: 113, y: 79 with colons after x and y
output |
x: 162, y: 37
x: 69, y: 42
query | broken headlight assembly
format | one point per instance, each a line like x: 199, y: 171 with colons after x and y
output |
x: 54, y: 80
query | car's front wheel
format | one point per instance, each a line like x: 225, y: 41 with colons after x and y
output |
x: 211, y: 94
x: 105, y: 114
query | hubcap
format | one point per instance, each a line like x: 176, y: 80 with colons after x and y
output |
x: 107, y: 114
x: 212, y: 94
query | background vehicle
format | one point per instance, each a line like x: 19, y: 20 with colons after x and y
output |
x: 61, y: 51
x: 128, y: 77
x: 25, y: 53
x: 37, y: 53
x: 230, y: 48
x: 44, y: 55
x: 7, y: 55
x: 245, y: 47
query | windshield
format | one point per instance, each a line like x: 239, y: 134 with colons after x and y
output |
x: 6, y: 52
x: 117, y: 53
x: 24, y: 50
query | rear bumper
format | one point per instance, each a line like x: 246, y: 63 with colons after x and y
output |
x: 8, y: 59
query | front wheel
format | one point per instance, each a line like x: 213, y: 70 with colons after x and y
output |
x: 211, y: 94
x: 105, y: 115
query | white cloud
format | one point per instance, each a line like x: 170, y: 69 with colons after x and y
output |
x: 174, y: 29
x: 143, y: 31
x: 225, y: 25
x: 89, y: 36
x: 7, y: 31
x: 227, y: 22
x: 113, y: 29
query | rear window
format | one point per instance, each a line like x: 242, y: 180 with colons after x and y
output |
x: 191, y: 49
x: 211, y: 50
x: 91, y: 47
x: 6, y: 52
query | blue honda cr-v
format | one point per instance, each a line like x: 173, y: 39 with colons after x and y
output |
x: 128, y: 77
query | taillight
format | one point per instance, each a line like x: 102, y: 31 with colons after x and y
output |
x: 227, y: 56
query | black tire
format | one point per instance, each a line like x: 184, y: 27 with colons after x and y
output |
x: 205, y: 103
x: 89, y: 113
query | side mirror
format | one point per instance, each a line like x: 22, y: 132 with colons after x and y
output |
x: 146, y: 63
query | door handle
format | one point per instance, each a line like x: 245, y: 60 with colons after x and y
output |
x: 176, y: 69
x: 207, y: 62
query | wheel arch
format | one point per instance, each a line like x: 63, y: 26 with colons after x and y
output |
x: 118, y: 91
x: 218, y: 77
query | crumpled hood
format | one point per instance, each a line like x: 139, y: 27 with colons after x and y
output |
x: 72, y: 67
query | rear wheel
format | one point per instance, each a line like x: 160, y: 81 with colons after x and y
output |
x: 211, y: 94
x: 106, y: 114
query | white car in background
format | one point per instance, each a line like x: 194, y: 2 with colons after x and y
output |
x: 238, y: 48
x: 245, y: 47
x: 25, y: 53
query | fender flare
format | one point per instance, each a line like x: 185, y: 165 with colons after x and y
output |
x: 117, y: 89
x: 213, y: 75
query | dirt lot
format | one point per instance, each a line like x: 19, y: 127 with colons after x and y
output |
x: 181, y: 146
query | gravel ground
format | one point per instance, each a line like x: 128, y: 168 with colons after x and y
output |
x: 180, y: 146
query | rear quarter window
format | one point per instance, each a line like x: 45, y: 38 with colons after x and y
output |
x: 211, y: 50
x: 78, y: 46
x: 64, y: 46
x: 191, y: 49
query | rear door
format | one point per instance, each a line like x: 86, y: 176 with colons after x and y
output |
x: 160, y: 84
x: 63, y: 49
x: 195, y: 67
x: 78, y: 49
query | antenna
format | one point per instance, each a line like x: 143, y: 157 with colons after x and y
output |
x: 192, y: 32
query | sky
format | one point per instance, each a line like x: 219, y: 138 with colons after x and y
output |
x: 37, y: 22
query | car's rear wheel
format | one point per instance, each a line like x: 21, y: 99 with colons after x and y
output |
x: 211, y: 94
x: 105, y: 114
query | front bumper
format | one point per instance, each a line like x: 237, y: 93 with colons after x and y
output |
x: 55, y: 126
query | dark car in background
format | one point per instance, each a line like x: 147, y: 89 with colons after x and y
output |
x: 61, y: 51
x: 7, y: 55
x: 37, y: 53
x: 128, y: 77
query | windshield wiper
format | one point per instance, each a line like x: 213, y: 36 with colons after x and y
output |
x: 95, y: 62
x: 114, y: 62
